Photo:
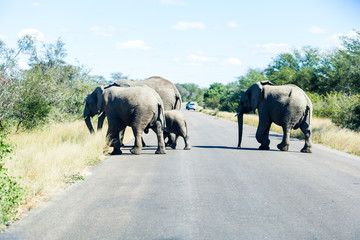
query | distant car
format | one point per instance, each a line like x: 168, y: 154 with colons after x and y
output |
x: 190, y: 106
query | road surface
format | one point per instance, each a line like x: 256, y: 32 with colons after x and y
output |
x: 213, y: 191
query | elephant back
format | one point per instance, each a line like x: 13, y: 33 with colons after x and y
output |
x: 167, y: 91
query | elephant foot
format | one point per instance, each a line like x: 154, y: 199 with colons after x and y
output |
x: 283, y: 147
x: 135, y: 151
x: 160, y: 151
x: 116, y: 152
x: 306, y: 150
x: 264, y: 147
x: 187, y: 148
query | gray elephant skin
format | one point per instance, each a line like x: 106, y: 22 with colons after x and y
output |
x: 167, y: 91
x: 139, y: 107
x: 287, y: 106
x: 176, y: 124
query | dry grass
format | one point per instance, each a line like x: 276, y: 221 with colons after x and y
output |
x: 48, y: 160
x: 323, y: 132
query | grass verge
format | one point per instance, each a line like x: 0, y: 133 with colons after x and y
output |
x: 323, y: 131
x: 50, y: 159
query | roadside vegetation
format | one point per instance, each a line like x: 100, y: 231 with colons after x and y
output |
x: 45, y: 145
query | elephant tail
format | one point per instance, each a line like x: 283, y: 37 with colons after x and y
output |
x: 308, y: 115
x: 161, y: 116
x: 177, y: 104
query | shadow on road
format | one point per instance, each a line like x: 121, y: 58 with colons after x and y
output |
x: 233, y: 148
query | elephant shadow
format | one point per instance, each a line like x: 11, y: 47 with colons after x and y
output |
x: 235, y: 148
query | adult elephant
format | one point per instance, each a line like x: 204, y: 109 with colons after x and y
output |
x: 167, y: 91
x: 287, y: 106
x: 139, y: 107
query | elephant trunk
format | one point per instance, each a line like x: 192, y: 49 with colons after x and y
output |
x: 240, y: 117
x: 88, y: 124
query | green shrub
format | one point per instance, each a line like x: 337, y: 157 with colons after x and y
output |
x: 347, y: 113
x: 341, y: 108
x: 11, y: 193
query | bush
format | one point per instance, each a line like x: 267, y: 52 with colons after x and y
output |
x: 10, y: 192
x: 348, y: 112
x: 342, y: 109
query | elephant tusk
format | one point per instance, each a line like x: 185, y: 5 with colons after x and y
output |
x: 86, y: 117
x: 236, y: 114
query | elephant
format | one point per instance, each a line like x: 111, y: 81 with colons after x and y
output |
x: 167, y: 91
x: 286, y: 105
x: 139, y: 107
x: 176, y: 124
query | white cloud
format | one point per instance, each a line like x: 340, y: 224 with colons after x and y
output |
x: 233, y: 61
x: 181, y: 25
x: 32, y: 32
x: 133, y: 44
x: 316, y: 30
x: 36, y: 4
x: 99, y: 31
x: 233, y: 24
x: 273, y: 48
x: 335, y: 40
x: 174, y: 2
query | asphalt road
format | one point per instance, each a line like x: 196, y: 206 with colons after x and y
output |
x: 213, y: 191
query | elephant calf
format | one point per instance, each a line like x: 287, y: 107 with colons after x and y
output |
x: 176, y: 123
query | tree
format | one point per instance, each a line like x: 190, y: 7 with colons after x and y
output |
x: 252, y: 76
x: 213, y: 94
x: 50, y: 89
x: 190, y: 92
x: 117, y: 76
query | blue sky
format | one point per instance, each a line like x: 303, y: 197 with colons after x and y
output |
x: 194, y: 41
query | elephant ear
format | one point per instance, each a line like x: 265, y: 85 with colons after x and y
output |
x: 263, y: 83
x: 255, y: 94
x: 99, y: 91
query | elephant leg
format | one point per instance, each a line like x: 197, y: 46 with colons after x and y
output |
x: 121, y: 137
x: 284, y: 145
x: 142, y: 142
x: 187, y: 144
x: 113, y: 136
x: 170, y: 140
x: 101, y: 121
x: 262, y: 135
x: 307, y: 133
x: 173, y: 145
x: 157, y: 128
x: 138, y: 144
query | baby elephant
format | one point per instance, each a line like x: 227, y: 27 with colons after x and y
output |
x: 176, y: 124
